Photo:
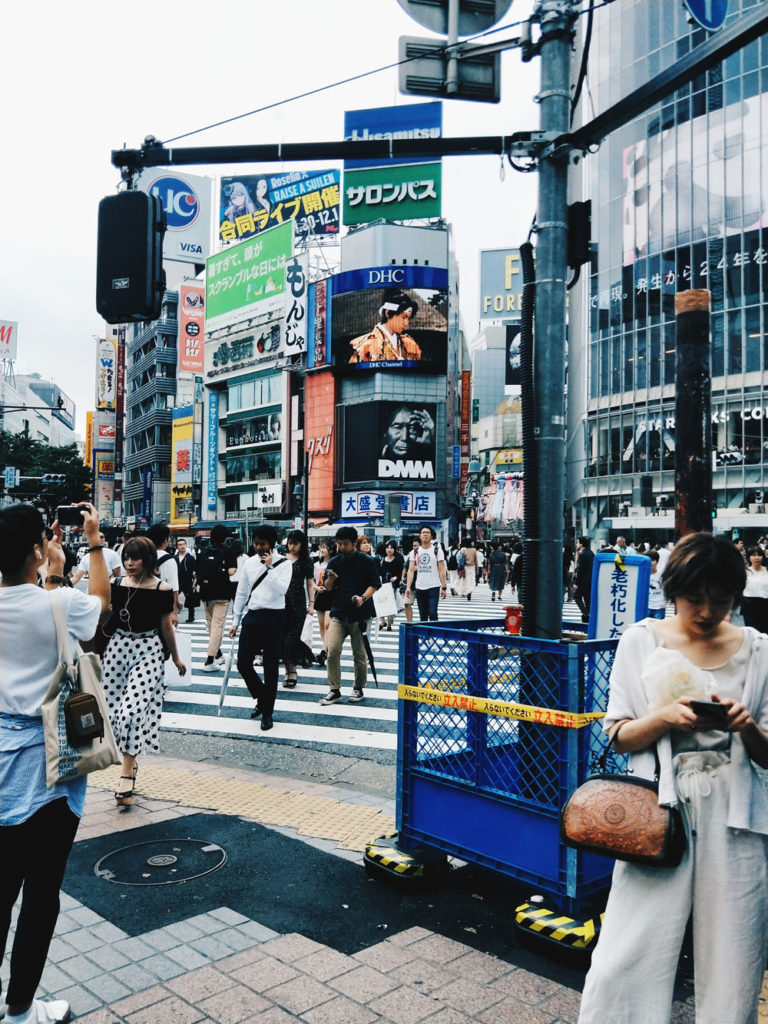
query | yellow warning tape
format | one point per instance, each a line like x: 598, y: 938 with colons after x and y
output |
x: 568, y: 930
x: 501, y: 708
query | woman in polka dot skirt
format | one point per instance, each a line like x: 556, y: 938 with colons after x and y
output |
x: 132, y: 665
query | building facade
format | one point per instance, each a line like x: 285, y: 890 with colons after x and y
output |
x: 679, y: 200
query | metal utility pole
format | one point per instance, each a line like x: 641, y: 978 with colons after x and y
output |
x: 544, y: 551
x: 693, y: 414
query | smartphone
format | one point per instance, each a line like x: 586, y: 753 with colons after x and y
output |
x: 709, y: 709
x: 69, y: 515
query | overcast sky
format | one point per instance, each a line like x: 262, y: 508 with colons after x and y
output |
x: 78, y: 81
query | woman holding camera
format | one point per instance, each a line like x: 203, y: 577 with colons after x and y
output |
x: 37, y: 823
x: 133, y: 662
x: 706, y: 768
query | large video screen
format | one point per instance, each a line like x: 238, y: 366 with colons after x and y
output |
x: 385, y: 318
x: 390, y: 441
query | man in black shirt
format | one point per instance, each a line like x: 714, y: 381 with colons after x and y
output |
x: 352, y: 577
x: 186, y: 564
x: 582, y: 576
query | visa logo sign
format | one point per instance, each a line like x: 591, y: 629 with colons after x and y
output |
x: 191, y: 247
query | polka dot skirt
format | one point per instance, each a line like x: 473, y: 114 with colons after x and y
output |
x: 132, y: 673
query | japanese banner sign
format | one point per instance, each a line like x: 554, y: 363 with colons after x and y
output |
x: 394, y: 192
x: 620, y: 587
x: 371, y: 504
x: 297, y: 282
x: 213, y: 450
x: 191, y: 339
x: 106, y: 374
x: 250, y: 205
x: 248, y: 278
x: 319, y: 451
x: 181, y: 466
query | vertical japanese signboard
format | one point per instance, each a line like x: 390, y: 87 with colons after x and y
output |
x: 191, y: 339
x: 466, y: 406
x: 119, y: 412
x: 88, y: 459
x: 319, y: 413
x: 181, y: 466
x: 620, y: 587
x: 213, y: 449
x: 106, y: 374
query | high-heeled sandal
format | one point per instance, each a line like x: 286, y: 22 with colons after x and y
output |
x: 290, y: 681
x: 125, y: 797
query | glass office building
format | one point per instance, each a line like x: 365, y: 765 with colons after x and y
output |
x: 679, y: 200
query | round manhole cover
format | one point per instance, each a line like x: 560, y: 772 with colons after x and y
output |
x: 161, y: 862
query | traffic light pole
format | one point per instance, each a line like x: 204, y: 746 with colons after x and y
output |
x: 543, y: 553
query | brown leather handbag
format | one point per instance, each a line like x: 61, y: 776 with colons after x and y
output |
x: 619, y: 816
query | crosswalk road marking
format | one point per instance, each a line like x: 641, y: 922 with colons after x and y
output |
x: 299, y: 717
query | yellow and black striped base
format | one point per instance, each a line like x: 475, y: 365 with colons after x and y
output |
x: 555, y: 926
x: 386, y: 857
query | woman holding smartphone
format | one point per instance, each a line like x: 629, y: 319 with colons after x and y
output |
x: 664, y: 672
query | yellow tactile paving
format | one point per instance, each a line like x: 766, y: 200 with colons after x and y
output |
x: 319, y: 817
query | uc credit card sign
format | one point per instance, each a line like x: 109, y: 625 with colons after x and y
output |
x: 186, y: 200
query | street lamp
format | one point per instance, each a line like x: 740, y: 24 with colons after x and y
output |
x: 472, y: 500
x: 301, y: 495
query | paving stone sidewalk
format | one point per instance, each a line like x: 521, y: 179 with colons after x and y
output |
x: 224, y: 968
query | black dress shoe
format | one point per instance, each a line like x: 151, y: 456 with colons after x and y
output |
x: 256, y: 713
x: 266, y: 723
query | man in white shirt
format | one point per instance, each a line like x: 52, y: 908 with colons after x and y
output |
x: 167, y: 567
x: 429, y: 567
x: 260, y: 600
x: 112, y: 559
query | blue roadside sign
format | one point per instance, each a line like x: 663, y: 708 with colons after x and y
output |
x: 710, y: 14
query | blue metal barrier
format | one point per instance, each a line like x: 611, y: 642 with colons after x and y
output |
x: 489, y: 789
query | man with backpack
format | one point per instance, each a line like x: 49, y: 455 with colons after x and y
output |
x: 215, y: 567
x: 166, y: 568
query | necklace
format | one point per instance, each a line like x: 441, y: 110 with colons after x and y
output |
x: 124, y: 614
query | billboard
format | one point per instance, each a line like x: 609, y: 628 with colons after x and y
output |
x: 390, y: 318
x: 512, y: 363
x: 699, y: 179
x: 402, y: 188
x: 106, y: 374
x: 407, y: 121
x: 186, y: 200
x: 9, y: 331
x: 213, y: 450
x: 390, y: 441
x: 88, y: 456
x: 249, y: 205
x: 181, y: 465
x: 191, y: 338
x: 410, y: 192
x: 371, y: 504
x: 318, y: 342
x: 247, y: 279
x: 501, y: 284
x: 319, y: 416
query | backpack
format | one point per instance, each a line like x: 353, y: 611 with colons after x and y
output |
x: 211, y: 568
x: 165, y: 557
x: 461, y: 560
x: 452, y: 562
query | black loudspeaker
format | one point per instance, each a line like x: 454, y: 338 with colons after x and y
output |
x: 130, y: 280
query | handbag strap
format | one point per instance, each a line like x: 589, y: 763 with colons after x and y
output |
x: 62, y: 636
x: 264, y: 576
x: 602, y: 759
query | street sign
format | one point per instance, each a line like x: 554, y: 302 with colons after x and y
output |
x: 10, y: 477
x: 424, y: 72
x: 710, y: 14
x: 474, y: 15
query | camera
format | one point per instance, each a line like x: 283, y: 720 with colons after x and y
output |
x: 69, y: 515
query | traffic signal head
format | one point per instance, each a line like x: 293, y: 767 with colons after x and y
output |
x: 130, y: 280
x: 53, y: 478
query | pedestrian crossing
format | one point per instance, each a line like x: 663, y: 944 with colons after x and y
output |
x: 299, y: 719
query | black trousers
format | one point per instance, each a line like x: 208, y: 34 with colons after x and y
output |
x: 261, y: 631
x: 33, y: 855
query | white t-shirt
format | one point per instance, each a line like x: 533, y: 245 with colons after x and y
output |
x: 427, y: 572
x: 28, y: 648
x: 757, y: 584
x: 169, y: 570
x: 656, y: 597
x: 110, y: 557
